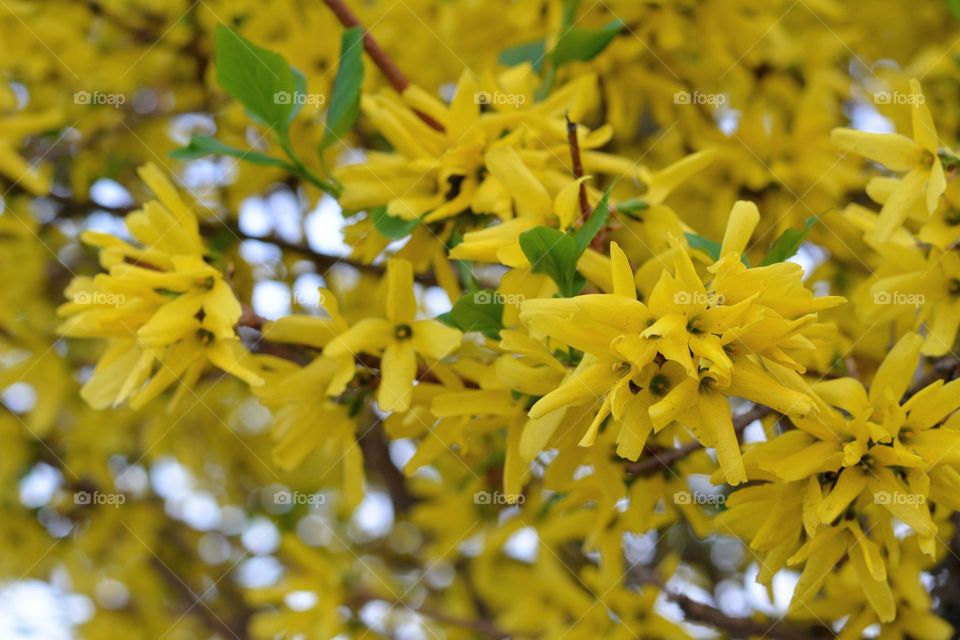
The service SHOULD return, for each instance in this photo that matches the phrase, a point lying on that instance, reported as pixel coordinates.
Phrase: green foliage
(260, 79)
(481, 311)
(391, 227)
(201, 146)
(345, 101)
(787, 245)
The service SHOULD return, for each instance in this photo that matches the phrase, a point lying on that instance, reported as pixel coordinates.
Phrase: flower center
(402, 331)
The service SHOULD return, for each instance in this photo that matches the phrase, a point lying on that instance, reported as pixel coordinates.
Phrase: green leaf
(589, 229)
(446, 319)
(392, 227)
(954, 8)
(532, 52)
(202, 146)
(260, 79)
(555, 254)
(710, 247)
(584, 44)
(787, 245)
(633, 206)
(345, 101)
(464, 271)
(479, 311)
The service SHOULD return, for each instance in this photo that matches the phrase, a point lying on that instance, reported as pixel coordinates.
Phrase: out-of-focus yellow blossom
(918, 158)
(165, 312)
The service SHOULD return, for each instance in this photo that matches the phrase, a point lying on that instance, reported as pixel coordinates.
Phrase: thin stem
(384, 62)
(656, 462)
(303, 171)
(577, 162)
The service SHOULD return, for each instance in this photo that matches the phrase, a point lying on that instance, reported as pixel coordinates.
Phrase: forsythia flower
(834, 484)
(924, 181)
(692, 345)
(398, 338)
(165, 312)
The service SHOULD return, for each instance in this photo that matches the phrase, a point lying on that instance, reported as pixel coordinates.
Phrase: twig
(377, 453)
(478, 626)
(323, 261)
(656, 462)
(734, 627)
(384, 62)
(251, 320)
(577, 161)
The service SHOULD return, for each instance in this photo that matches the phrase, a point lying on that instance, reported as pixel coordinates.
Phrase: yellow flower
(923, 181)
(398, 338)
(165, 312)
(728, 336)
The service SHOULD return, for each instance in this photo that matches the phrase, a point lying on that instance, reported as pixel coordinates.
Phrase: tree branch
(734, 627)
(658, 461)
(384, 62)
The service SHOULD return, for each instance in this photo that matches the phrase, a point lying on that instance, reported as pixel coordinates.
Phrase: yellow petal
(894, 151)
(398, 368)
(434, 339)
(401, 305)
(743, 220)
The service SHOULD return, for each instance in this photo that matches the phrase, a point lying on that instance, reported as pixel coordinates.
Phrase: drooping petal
(398, 367)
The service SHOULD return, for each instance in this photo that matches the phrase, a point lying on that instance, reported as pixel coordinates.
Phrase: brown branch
(376, 452)
(657, 461)
(478, 626)
(734, 627)
(72, 208)
(384, 62)
(577, 161)
(322, 261)
(196, 604)
(251, 320)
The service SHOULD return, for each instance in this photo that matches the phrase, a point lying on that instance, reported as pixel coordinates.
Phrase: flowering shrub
(482, 319)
